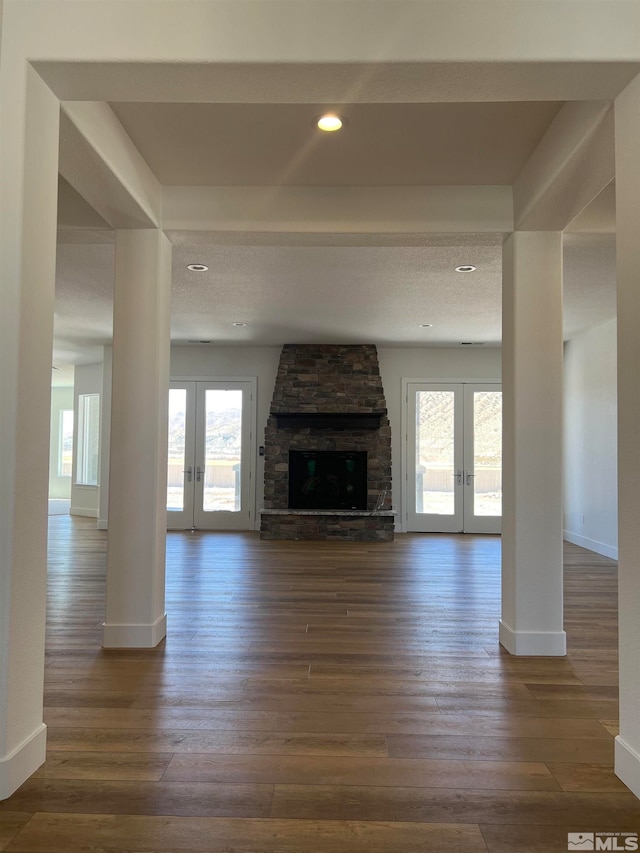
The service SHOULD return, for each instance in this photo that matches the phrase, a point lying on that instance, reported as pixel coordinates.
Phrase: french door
(209, 477)
(454, 457)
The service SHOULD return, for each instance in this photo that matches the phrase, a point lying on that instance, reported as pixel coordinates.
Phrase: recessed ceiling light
(239, 324)
(425, 325)
(330, 122)
(466, 268)
(197, 267)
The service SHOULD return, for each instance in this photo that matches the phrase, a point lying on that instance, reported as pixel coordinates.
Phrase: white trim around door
(451, 456)
(212, 454)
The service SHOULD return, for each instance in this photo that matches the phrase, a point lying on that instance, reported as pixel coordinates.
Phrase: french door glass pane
(223, 441)
(435, 480)
(176, 458)
(487, 449)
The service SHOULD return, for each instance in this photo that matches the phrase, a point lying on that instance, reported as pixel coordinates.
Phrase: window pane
(487, 450)
(88, 439)
(176, 463)
(223, 442)
(65, 449)
(435, 479)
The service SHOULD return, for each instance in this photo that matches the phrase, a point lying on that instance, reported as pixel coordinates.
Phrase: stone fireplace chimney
(328, 403)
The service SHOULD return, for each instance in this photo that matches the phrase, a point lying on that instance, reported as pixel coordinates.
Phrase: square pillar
(135, 612)
(627, 132)
(532, 597)
(29, 115)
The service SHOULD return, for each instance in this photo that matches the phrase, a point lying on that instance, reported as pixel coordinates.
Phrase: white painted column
(135, 614)
(627, 116)
(29, 115)
(532, 607)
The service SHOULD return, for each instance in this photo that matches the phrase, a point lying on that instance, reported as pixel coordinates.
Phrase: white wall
(590, 445)
(451, 364)
(85, 500)
(61, 399)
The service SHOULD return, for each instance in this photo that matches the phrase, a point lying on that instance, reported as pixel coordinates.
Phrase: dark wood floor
(322, 698)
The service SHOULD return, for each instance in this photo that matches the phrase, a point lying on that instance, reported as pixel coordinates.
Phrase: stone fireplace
(328, 447)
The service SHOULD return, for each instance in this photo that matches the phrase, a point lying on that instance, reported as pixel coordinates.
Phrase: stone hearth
(343, 382)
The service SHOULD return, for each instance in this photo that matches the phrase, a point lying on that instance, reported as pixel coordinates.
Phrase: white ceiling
(333, 287)
(382, 144)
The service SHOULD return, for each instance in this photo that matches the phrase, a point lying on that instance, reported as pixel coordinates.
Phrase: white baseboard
(85, 511)
(533, 643)
(591, 544)
(22, 762)
(135, 636)
(627, 765)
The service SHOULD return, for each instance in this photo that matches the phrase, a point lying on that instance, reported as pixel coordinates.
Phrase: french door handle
(199, 473)
(470, 476)
(458, 476)
(189, 472)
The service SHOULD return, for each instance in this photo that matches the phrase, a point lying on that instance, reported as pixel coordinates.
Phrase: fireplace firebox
(327, 479)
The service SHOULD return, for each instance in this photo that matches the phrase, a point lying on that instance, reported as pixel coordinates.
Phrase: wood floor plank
(98, 796)
(586, 776)
(192, 696)
(383, 686)
(300, 702)
(11, 822)
(66, 697)
(372, 650)
(597, 692)
(567, 750)
(452, 805)
(101, 765)
(531, 708)
(297, 770)
(162, 672)
(229, 743)
(77, 834)
(456, 671)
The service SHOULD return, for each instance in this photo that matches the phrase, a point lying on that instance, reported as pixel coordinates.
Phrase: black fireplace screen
(326, 479)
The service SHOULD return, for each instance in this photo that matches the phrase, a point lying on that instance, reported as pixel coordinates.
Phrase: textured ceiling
(337, 295)
(332, 294)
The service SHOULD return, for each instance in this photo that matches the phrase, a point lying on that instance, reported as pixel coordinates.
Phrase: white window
(88, 448)
(65, 444)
